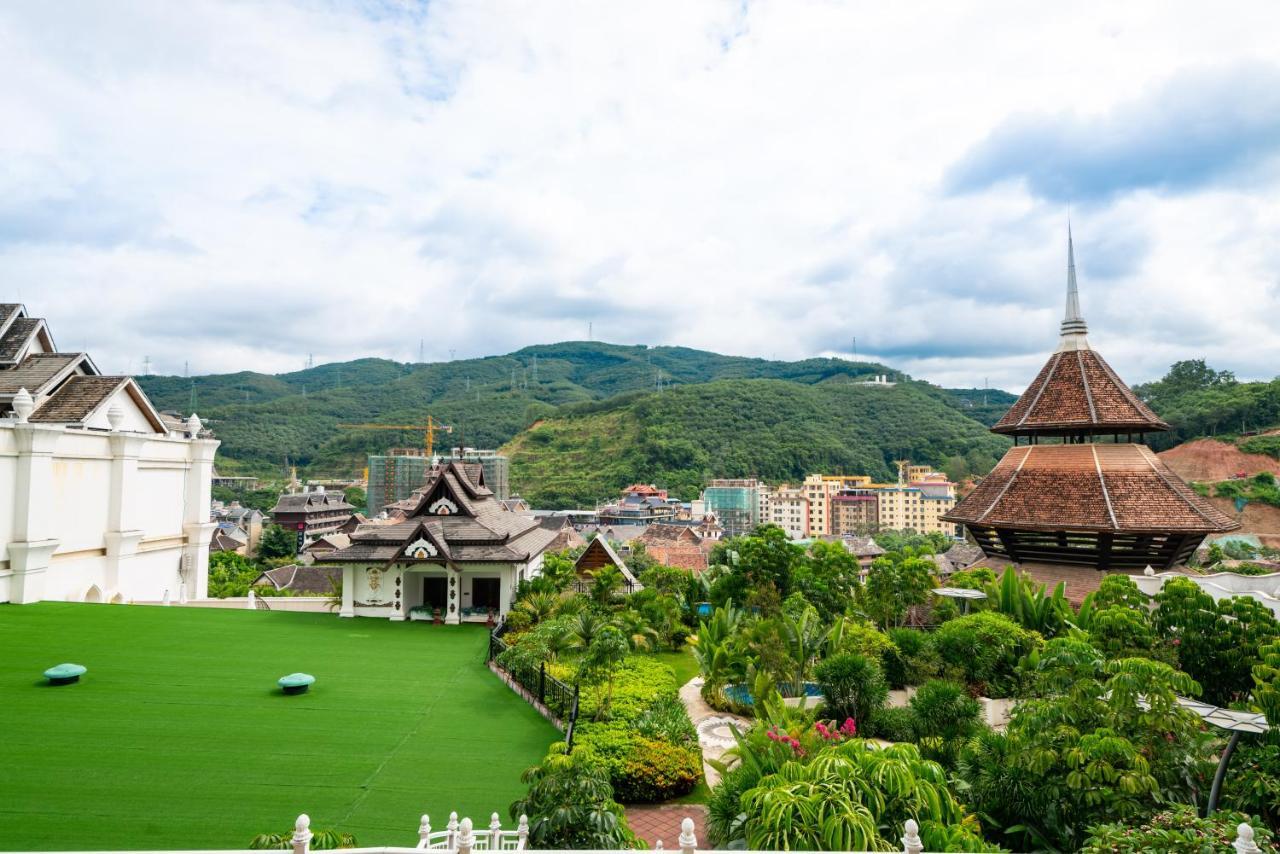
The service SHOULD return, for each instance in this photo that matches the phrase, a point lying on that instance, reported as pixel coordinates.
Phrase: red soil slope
(1210, 460)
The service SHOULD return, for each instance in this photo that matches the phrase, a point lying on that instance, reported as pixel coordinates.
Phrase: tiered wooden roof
(1107, 506)
(453, 519)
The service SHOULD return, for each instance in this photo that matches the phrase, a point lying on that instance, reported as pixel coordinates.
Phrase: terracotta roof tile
(1077, 390)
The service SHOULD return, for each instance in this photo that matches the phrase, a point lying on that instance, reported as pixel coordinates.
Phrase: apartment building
(789, 508)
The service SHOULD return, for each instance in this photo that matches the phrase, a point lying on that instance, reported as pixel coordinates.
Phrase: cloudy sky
(241, 184)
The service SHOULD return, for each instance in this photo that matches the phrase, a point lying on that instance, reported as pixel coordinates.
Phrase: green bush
(667, 719)
(944, 716)
(984, 649)
(853, 686)
(1179, 830)
(891, 723)
(914, 661)
(657, 771)
(638, 681)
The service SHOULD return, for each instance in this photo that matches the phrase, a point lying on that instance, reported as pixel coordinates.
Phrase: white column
(124, 531)
(195, 516)
(453, 611)
(348, 592)
(34, 532)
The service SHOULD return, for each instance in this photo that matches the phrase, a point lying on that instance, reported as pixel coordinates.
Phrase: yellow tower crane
(429, 429)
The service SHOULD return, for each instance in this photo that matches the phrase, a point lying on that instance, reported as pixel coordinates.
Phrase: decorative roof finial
(1073, 325)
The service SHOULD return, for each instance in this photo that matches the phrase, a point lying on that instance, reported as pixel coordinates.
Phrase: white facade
(392, 593)
(99, 516)
(101, 500)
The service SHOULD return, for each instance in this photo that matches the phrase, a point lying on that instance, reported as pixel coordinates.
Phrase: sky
(238, 186)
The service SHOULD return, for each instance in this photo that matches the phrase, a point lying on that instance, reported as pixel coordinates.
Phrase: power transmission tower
(451, 352)
(421, 357)
(591, 331)
(186, 369)
(146, 366)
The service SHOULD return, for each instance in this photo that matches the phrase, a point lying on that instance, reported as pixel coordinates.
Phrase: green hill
(263, 419)
(766, 428)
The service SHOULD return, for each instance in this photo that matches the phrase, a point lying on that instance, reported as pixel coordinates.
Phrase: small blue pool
(704, 609)
(740, 695)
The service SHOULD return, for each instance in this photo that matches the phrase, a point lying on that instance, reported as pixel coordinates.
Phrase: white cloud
(240, 185)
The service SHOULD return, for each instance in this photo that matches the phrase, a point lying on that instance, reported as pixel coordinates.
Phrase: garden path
(662, 822)
(714, 735)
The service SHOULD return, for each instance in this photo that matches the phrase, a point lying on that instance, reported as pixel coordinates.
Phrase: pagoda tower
(1080, 491)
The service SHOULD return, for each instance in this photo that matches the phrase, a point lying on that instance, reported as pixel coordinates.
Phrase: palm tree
(805, 639)
(637, 630)
(539, 606)
(583, 628)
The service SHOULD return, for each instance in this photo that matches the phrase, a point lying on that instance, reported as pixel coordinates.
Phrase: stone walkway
(714, 735)
(662, 822)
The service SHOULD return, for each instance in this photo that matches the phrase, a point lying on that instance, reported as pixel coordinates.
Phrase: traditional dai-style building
(458, 551)
(101, 498)
(1080, 487)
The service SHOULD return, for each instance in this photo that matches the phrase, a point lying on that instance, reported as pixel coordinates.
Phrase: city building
(640, 504)
(311, 514)
(855, 511)
(247, 520)
(674, 545)
(458, 551)
(1081, 492)
(918, 507)
(735, 503)
(394, 477)
(819, 490)
(788, 508)
(101, 498)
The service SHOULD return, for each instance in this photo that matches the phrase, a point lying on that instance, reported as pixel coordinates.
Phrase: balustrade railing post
(1244, 843)
(495, 832)
(522, 833)
(424, 831)
(302, 835)
(688, 839)
(466, 839)
(911, 843)
(451, 841)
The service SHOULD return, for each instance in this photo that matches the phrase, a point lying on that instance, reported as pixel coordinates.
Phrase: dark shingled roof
(77, 399)
(36, 371)
(1077, 391)
(18, 334)
(1087, 487)
(482, 529)
(306, 580)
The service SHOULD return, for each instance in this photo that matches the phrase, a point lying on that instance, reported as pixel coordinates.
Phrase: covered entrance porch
(449, 596)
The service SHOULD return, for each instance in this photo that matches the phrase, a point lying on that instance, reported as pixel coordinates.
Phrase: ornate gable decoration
(421, 549)
(442, 507)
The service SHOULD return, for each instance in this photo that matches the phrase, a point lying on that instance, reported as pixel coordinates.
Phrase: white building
(101, 499)
(456, 550)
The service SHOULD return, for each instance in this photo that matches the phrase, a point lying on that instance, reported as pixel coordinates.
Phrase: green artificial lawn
(682, 662)
(178, 736)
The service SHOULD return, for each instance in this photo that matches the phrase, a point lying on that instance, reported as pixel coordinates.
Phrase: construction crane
(429, 429)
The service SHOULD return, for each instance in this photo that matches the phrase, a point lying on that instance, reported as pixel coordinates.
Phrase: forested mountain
(1198, 401)
(770, 429)
(264, 419)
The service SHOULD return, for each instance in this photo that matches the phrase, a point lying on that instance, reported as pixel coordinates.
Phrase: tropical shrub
(944, 716)
(666, 718)
(570, 805)
(1121, 632)
(912, 660)
(849, 634)
(896, 583)
(1020, 598)
(1179, 830)
(853, 686)
(891, 723)
(321, 840)
(1253, 783)
(855, 796)
(656, 771)
(983, 650)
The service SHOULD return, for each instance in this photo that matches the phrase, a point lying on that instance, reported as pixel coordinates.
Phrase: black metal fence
(556, 696)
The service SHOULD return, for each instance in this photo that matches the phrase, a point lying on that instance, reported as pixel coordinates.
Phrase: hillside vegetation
(740, 428)
(1198, 401)
(264, 419)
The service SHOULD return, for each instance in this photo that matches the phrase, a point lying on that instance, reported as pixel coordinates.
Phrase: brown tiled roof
(1086, 487)
(1077, 391)
(19, 332)
(36, 371)
(307, 580)
(76, 399)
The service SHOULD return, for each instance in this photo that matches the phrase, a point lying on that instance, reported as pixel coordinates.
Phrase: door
(485, 593)
(435, 592)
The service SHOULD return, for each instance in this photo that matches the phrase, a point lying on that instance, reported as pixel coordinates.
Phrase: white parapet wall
(103, 515)
(1222, 585)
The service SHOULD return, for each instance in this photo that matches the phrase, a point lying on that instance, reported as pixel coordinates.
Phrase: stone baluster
(424, 832)
(451, 842)
(688, 841)
(466, 839)
(495, 832)
(522, 833)
(302, 835)
(911, 843)
(1244, 843)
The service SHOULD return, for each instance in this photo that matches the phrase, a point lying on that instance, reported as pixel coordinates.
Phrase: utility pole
(421, 344)
(186, 369)
(590, 331)
(451, 352)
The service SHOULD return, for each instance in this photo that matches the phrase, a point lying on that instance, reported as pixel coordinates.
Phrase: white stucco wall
(122, 512)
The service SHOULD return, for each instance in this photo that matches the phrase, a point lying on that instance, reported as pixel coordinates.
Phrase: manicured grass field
(682, 662)
(179, 738)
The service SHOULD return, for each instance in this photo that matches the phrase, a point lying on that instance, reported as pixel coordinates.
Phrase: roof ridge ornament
(1074, 328)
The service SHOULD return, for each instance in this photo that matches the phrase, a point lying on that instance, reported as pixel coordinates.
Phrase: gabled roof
(77, 399)
(16, 339)
(40, 372)
(312, 580)
(598, 553)
(310, 502)
(1086, 487)
(9, 313)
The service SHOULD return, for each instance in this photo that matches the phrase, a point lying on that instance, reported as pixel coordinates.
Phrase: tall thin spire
(1073, 325)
